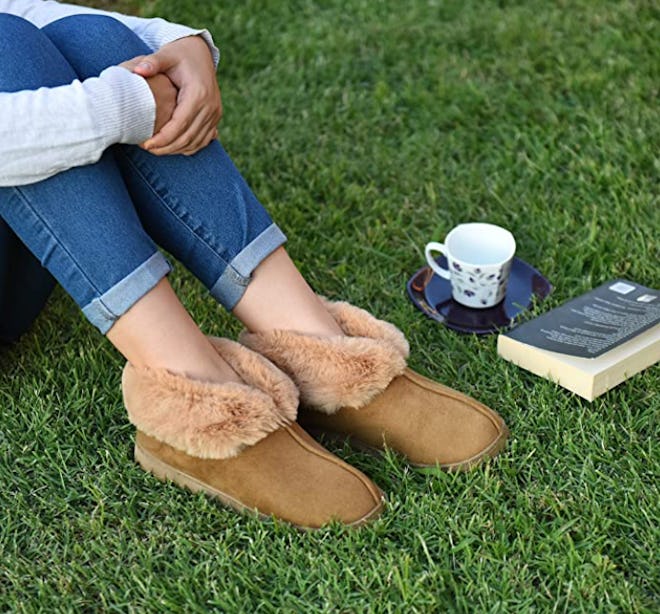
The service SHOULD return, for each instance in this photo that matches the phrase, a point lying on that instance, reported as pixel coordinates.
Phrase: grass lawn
(368, 128)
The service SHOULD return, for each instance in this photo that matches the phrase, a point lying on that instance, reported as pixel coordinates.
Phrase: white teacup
(479, 256)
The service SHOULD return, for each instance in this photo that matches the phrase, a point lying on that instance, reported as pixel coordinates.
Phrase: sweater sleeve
(52, 129)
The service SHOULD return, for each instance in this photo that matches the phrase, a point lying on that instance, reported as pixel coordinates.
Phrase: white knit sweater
(46, 131)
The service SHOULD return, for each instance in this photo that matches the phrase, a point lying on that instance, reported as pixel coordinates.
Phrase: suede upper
(286, 474)
(430, 424)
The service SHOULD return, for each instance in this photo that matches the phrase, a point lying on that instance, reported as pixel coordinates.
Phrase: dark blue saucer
(432, 295)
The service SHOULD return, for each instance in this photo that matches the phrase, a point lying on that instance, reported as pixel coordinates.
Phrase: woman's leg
(83, 227)
(237, 442)
(199, 208)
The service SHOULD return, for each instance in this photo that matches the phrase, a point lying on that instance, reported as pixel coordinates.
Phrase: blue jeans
(97, 228)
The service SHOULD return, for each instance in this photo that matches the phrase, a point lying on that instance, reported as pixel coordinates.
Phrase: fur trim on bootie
(206, 419)
(335, 372)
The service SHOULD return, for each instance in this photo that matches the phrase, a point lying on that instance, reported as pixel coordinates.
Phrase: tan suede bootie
(240, 443)
(358, 386)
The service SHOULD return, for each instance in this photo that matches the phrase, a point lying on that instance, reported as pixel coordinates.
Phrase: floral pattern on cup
(480, 286)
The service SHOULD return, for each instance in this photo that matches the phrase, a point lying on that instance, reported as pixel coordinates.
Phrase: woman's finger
(197, 128)
(184, 142)
(184, 114)
(202, 142)
(132, 63)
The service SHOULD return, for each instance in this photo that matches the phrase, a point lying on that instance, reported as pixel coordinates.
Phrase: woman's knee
(29, 58)
(15, 29)
(91, 43)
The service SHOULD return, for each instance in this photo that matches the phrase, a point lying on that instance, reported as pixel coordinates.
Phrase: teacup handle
(436, 247)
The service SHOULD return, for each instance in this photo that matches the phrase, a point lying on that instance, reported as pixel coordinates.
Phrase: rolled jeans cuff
(234, 280)
(103, 311)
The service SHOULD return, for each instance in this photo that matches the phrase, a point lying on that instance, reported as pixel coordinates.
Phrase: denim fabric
(96, 228)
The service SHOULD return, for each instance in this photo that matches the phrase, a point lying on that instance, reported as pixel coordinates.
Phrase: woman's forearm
(49, 130)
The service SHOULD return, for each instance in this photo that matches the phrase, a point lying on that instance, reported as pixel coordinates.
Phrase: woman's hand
(188, 64)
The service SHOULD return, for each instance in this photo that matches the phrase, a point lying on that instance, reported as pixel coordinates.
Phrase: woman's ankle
(158, 332)
(278, 297)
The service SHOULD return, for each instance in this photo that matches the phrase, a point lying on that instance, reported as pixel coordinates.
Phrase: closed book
(593, 342)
